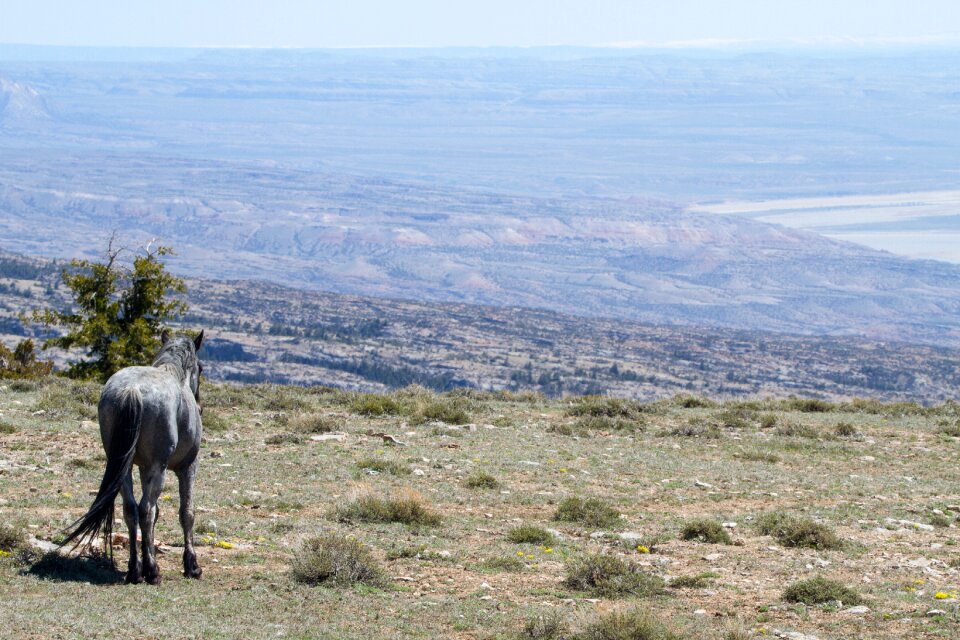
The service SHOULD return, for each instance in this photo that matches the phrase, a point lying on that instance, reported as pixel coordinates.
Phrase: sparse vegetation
(697, 428)
(313, 423)
(335, 559)
(819, 590)
(610, 576)
(375, 404)
(7, 427)
(708, 531)
(606, 423)
(604, 406)
(284, 438)
(549, 625)
(845, 430)
(592, 512)
(798, 430)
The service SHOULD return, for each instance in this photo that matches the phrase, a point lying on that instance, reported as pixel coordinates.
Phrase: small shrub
(758, 455)
(7, 427)
(610, 576)
(68, 398)
(336, 559)
(313, 423)
(692, 402)
(24, 386)
(284, 438)
(569, 430)
(707, 531)
(592, 512)
(605, 406)
(407, 507)
(737, 418)
(768, 421)
(796, 430)
(481, 480)
(381, 465)
(798, 532)
(12, 539)
(951, 430)
(375, 404)
(697, 428)
(819, 590)
(628, 625)
(550, 625)
(447, 410)
(606, 423)
(83, 463)
(529, 534)
(503, 563)
(845, 430)
(939, 520)
(213, 421)
(699, 581)
(810, 405)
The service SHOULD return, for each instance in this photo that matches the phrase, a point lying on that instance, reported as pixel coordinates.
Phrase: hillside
(263, 332)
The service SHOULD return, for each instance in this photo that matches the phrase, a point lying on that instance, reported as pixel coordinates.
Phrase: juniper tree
(118, 311)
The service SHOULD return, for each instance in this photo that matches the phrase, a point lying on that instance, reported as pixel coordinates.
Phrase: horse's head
(182, 352)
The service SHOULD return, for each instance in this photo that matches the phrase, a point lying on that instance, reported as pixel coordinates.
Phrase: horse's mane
(177, 356)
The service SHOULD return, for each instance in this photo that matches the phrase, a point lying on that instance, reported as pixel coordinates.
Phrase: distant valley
(558, 180)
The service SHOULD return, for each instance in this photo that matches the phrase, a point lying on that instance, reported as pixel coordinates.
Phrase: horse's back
(163, 434)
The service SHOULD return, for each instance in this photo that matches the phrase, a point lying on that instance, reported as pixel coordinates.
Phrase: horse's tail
(123, 446)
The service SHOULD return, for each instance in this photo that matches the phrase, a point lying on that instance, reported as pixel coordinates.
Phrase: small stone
(729, 525)
(419, 472)
(702, 485)
(712, 557)
(631, 536)
(700, 612)
(936, 612)
(216, 454)
(443, 553)
(41, 412)
(486, 597)
(327, 437)
(485, 585)
(88, 424)
(867, 458)
(859, 610)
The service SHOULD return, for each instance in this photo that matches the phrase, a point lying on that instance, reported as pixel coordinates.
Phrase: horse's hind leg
(190, 567)
(134, 568)
(151, 479)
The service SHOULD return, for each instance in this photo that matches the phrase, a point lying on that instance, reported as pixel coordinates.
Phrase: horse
(149, 417)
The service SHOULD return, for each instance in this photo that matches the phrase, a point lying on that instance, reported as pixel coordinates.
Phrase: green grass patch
(7, 427)
(375, 404)
(284, 438)
(604, 406)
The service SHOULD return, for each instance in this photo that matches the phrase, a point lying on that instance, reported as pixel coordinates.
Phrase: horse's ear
(165, 336)
(198, 341)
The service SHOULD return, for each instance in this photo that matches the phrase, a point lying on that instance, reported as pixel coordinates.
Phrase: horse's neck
(172, 369)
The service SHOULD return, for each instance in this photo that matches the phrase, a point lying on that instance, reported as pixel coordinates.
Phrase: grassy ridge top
(619, 504)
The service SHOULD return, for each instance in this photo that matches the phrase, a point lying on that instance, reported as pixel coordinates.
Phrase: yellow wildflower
(943, 595)
(4, 554)
(223, 544)
(531, 556)
(548, 550)
(643, 549)
(563, 469)
(520, 554)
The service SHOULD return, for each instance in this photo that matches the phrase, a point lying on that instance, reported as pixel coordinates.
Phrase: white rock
(703, 485)
(700, 612)
(712, 557)
(936, 612)
(631, 536)
(729, 525)
(419, 472)
(325, 437)
(857, 610)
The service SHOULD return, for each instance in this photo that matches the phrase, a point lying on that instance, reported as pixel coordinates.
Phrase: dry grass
(592, 512)
(404, 506)
(610, 576)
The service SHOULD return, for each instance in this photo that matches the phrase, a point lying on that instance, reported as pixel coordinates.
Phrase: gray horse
(149, 417)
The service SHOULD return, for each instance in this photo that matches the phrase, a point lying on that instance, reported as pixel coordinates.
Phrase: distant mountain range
(498, 180)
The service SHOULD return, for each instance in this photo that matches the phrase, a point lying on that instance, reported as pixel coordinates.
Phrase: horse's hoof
(132, 578)
(194, 573)
(154, 579)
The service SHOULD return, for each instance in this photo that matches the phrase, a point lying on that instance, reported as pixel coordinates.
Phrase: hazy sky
(350, 23)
